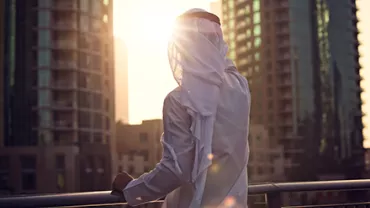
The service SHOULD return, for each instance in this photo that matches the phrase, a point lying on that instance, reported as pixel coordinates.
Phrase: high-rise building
(121, 76)
(301, 60)
(2, 43)
(59, 79)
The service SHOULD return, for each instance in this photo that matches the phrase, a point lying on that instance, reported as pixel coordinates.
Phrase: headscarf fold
(197, 57)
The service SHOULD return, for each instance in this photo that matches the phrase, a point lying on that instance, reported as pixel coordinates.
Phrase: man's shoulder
(173, 96)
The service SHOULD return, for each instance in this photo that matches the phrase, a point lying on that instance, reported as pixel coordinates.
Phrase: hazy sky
(364, 37)
(144, 25)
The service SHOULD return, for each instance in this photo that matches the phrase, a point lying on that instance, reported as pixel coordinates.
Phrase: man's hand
(120, 182)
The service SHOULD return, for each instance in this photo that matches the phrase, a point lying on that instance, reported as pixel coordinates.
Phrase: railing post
(273, 200)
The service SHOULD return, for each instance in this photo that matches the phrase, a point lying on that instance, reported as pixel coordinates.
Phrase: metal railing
(272, 194)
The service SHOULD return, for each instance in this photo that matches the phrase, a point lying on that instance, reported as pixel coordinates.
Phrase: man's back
(227, 177)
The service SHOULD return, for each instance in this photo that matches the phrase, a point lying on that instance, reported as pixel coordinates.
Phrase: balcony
(282, 31)
(64, 5)
(65, 25)
(63, 104)
(64, 84)
(64, 64)
(65, 44)
(273, 196)
(63, 124)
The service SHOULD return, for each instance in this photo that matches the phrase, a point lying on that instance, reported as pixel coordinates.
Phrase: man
(206, 121)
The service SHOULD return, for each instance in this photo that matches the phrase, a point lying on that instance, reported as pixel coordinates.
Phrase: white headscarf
(197, 56)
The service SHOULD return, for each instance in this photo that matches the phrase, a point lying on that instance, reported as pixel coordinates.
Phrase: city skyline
(157, 58)
(64, 90)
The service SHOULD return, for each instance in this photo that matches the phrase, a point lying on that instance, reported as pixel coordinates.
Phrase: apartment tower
(60, 75)
(301, 60)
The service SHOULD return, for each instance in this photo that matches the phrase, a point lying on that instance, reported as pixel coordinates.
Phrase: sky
(364, 37)
(145, 26)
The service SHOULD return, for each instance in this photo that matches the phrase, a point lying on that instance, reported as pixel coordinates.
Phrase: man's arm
(175, 167)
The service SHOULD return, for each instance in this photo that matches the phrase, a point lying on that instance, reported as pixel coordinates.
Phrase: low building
(138, 146)
(266, 163)
(54, 169)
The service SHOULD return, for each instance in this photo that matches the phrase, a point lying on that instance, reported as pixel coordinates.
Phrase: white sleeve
(176, 164)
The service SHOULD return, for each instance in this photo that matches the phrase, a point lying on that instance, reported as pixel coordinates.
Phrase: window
(257, 30)
(84, 5)
(45, 136)
(61, 181)
(98, 138)
(130, 169)
(249, 33)
(28, 175)
(45, 118)
(256, 56)
(60, 162)
(145, 154)
(4, 172)
(106, 105)
(248, 21)
(96, 7)
(247, 9)
(257, 42)
(98, 121)
(84, 137)
(97, 99)
(249, 45)
(84, 100)
(231, 4)
(84, 119)
(95, 25)
(43, 58)
(260, 171)
(44, 18)
(232, 44)
(143, 137)
(105, 18)
(44, 3)
(256, 5)
(270, 105)
(43, 78)
(256, 18)
(83, 80)
(84, 23)
(107, 123)
(44, 38)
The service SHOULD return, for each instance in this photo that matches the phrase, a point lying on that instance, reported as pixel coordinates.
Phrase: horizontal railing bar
(331, 205)
(105, 198)
(310, 186)
(62, 200)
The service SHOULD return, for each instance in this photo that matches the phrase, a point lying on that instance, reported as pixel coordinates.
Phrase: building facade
(59, 78)
(304, 79)
(138, 146)
(266, 162)
(2, 90)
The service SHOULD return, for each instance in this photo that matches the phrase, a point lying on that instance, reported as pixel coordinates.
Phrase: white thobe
(226, 181)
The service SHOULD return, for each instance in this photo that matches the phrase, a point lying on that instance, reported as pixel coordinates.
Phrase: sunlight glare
(149, 26)
(145, 27)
